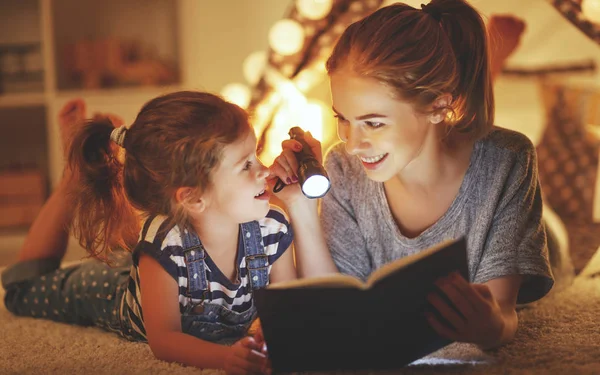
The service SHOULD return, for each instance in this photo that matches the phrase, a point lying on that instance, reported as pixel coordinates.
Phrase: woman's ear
(188, 197)
(440, 108)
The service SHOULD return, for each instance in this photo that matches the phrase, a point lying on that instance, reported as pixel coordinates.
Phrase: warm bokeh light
(314, 9)
(237, 93)
(286, 37)
(591, 10)
(310, 116)
(312, 119)
(254, 66)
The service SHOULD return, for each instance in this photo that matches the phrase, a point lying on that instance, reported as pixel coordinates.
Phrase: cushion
(568, 154)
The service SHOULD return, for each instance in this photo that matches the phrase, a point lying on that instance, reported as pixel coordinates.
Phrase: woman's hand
(246, 357)
(477, 317)
(285, 167)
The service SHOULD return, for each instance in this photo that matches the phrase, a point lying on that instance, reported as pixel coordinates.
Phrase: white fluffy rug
(558, 335)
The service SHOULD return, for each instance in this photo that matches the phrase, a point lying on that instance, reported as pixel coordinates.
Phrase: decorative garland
(289, 77)
(571, 10)
(582, 67)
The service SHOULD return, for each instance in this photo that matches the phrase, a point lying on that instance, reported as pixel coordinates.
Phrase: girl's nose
(263, 171)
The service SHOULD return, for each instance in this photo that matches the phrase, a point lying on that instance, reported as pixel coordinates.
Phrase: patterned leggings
(88, 293)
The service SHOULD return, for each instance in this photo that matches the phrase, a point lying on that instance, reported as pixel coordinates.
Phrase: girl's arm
(162, 320)
(283, 269)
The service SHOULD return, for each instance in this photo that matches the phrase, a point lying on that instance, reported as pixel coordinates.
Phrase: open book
(338, 322)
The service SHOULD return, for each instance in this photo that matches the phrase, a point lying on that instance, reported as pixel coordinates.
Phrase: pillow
(568, 154)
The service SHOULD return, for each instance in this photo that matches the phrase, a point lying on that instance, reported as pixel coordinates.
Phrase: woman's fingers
(312, 142)
(441, 329)
(469, 291)
(315, 146)
(470, 301)
(291, 144)
(285, 167)
(454, 318)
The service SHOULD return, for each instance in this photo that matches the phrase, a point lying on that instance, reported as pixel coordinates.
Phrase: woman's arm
(162, 320)
(483, 314)
(505, 290)
(312, 255)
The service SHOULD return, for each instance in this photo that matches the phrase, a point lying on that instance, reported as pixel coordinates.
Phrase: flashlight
(312, 177)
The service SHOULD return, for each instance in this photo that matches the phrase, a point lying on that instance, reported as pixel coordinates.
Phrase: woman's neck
(439, 160)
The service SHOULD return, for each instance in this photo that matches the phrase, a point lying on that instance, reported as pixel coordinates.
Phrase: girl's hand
(259, 337)
(245, 357)
(285, 167)
(477, 317)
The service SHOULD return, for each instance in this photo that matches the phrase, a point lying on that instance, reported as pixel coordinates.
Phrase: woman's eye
(247, 165)
(339, 119)
(374, 124)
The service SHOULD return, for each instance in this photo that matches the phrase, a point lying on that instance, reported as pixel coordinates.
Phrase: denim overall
(210, 321)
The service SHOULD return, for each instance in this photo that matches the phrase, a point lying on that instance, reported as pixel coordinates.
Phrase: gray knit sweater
(498, 209)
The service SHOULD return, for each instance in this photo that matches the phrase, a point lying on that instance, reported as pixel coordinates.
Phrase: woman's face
(385, 133)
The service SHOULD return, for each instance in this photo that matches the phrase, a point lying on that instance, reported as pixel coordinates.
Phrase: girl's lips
(266, 195)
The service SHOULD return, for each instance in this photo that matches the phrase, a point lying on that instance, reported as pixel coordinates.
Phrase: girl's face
(238, 189)
(385, 133)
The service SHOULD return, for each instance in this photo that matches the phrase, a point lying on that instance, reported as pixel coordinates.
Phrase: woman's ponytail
(474, 95)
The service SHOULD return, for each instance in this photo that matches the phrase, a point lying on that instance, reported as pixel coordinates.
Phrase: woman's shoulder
(506, 140)
(506, 149)
(504, 158)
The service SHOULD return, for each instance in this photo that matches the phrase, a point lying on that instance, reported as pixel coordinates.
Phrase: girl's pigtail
(103, 219)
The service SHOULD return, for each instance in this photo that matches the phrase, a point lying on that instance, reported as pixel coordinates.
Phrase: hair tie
(433, 11)
(118, 135)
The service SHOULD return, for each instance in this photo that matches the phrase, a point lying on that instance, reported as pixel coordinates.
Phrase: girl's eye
(247, 165)
(374, 124)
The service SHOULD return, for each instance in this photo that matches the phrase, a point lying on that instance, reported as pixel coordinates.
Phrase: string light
(314, 9)
(286, 37)
(299, 45)
(254, 66)
(591, 10)
(237, 93)
(312, 119)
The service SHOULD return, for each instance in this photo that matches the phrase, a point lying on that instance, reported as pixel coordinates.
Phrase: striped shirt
(165, 245)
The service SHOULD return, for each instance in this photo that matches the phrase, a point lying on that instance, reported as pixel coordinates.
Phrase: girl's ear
(189, 199)
(440, 108)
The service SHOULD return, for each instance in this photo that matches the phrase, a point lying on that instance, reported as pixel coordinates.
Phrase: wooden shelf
(22, 99)
(121, 92)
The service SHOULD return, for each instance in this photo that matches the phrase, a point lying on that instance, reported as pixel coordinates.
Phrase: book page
(336, 280)
(391, 267)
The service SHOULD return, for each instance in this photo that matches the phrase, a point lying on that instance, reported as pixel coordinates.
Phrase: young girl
(421, 162)
(209, 236)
